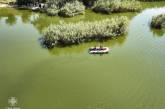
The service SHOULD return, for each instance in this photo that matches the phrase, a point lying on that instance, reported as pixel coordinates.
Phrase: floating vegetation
(75, 33)
(112, 6)
(158, 21)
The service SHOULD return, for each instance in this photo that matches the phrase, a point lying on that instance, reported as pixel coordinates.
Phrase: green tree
(25, 2)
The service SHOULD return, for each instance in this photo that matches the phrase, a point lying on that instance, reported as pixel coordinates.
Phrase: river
(131, 76)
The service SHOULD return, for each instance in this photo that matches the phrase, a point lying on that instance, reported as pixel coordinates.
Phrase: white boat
(35, 8)
(99, 50)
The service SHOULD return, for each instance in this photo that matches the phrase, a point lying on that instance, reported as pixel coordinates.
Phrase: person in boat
(94, 48)
(101, 47)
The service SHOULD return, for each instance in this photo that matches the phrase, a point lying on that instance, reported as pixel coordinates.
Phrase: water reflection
(83, 48)
(158, 33)
(11, 19)
(42, 21)
(26, 16)
(11, 15)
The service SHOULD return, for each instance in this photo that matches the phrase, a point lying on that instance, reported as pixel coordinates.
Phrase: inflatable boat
(98, 50)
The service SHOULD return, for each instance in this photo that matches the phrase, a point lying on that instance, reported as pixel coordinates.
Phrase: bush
(53, 10)
(151, 0)
(59, 3)
(71, 9)
(158, 21)
(26, 2)
(110, 6)
(68, 34)
(88, 3)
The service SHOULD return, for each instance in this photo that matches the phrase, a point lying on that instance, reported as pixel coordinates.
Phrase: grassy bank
(158, 21)
(75, 33)
(7, 1)
(112, 6)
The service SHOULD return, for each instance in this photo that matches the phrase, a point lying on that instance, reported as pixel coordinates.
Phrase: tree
(25, 2)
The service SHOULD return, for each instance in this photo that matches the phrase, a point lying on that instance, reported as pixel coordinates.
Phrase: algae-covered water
(131, 76)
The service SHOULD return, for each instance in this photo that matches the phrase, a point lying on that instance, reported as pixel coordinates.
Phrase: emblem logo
(12, 101)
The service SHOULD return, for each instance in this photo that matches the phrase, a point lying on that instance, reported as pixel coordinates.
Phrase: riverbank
(4, 5)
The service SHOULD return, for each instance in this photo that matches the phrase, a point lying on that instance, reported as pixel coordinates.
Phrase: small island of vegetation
(75, 33)
(158, 21)
(112, 6)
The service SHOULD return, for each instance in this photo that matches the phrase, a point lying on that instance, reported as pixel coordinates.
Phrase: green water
(131, 76)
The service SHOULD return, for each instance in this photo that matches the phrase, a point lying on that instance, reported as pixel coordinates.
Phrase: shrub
(59, 3)
(158, 21)
(110, 6)
(151, 0)
(75, 33)
(88, 3)
(53, 10)
(71, 9)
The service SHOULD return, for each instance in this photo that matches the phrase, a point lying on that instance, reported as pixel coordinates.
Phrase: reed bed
(151, 0)
(53, 10)
(113, 6)
(76, 33)
(70, 9)
(158, 21)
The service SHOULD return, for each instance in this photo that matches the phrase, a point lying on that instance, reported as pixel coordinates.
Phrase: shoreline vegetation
(4, 5)
(75, 7)
(76, 33)
(70, 8)
(114, 6)
(158, 22)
